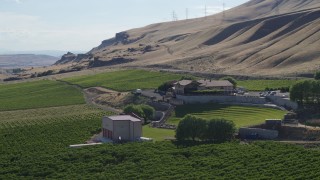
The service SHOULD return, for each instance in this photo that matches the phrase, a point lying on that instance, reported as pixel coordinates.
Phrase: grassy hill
(38, 94)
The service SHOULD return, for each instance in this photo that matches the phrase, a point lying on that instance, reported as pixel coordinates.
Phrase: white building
(122, 127)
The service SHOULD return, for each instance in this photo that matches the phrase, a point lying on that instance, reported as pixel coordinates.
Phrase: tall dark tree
(191, 127)
(306, 92)
(220, 130)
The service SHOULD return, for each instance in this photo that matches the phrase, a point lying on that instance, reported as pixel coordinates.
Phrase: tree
(317, 75)
(306, 92)
(220, 130)
(191, 127)
(296, 93)
(166, 86)
(148, 111)
(143, 111)
(134, 109)
(231, 80)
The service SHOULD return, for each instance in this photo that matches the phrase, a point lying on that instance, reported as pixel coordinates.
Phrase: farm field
(35, 143)
(261, 85)
(38, 94)
(125, 80)
(240, 115)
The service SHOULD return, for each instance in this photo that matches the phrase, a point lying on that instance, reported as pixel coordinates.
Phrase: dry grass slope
(259, 37)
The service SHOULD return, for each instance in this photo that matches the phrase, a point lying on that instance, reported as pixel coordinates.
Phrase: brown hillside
(258, 37)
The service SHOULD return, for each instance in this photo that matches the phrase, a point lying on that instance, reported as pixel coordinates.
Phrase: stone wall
(222, 99)
(261, 133)
(283, 102)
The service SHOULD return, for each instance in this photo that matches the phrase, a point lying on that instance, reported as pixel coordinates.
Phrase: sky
(80, 25)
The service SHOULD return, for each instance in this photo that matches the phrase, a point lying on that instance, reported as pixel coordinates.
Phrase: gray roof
(124, 118)
(211, 83)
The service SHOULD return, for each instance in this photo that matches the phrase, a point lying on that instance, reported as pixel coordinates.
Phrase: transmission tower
(174, 16)
(223, 12)
(205, 11)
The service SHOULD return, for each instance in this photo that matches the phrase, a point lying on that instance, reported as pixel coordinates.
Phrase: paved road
(150, 93)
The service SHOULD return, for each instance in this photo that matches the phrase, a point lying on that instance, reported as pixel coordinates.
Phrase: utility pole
(223, 12)
(205, 11)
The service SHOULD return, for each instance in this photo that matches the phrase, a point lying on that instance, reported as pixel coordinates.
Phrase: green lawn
(156, 133)
(261, 85)
(125, 80)
(240, 115)
(38, 94)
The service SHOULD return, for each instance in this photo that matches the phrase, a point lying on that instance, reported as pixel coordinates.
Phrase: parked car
(137, 91)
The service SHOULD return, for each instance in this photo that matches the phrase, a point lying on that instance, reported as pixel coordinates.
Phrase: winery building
(121, 128)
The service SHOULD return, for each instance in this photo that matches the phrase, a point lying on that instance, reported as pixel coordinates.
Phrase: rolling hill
(265, 37)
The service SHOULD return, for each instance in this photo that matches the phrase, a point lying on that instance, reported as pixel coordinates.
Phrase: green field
(38, 94)
(261, 85)
(240, 115)
(125, 80)
(157, 134)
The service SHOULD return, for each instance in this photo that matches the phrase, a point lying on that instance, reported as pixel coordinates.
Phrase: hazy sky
(82, 24)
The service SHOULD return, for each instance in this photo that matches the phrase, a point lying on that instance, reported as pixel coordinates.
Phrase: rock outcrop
(66, 58)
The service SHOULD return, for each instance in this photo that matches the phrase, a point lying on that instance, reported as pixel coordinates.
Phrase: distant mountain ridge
(258, 37)
(26, 60)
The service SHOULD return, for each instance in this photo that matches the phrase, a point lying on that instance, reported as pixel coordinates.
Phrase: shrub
(317, 75)
(166, 86)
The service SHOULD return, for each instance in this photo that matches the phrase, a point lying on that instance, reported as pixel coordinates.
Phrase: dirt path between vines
(90, 96)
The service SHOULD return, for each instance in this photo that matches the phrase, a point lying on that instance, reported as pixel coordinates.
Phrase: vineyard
(125, 80)
(240, 115)
(20, 118)
(261, 85)
(38, 94)
(35, 143)
(41, 151)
